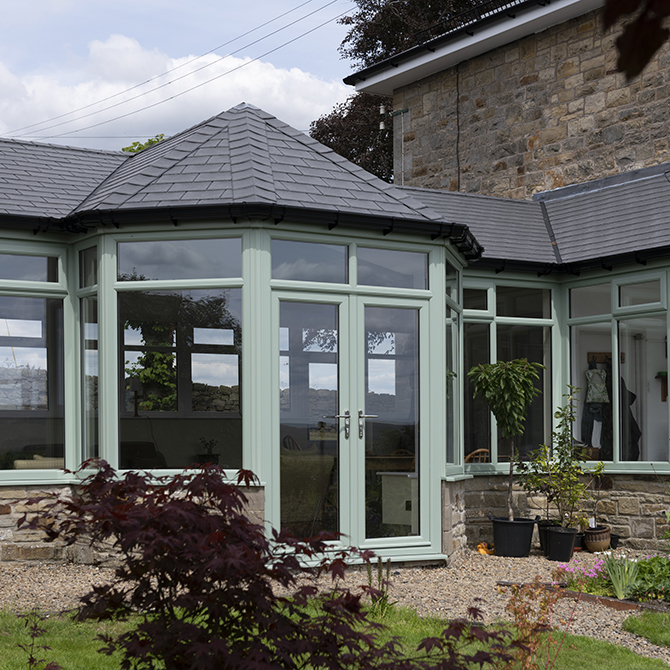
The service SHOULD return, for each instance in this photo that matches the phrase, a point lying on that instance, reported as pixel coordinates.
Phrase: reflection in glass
(590, 300)
(31, 383)
(643, 419)
(89, 336)
(180, 392)
(641, 293)
(28, 268)
(474, 298)
(180, 259)
(385, 267)
(88, 267)
(534, 344)
(309, 261)
(309, 431)
(477, 418)
(531, 303)
(392, 426)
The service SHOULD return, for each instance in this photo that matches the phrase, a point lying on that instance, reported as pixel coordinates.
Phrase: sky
(101, 74)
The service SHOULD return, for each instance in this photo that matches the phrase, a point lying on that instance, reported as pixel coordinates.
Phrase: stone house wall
(454, 536)
(545, 111)
(31, 545)
(633, 506)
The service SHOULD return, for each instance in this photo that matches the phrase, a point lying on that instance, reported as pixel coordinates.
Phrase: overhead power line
(40, 127)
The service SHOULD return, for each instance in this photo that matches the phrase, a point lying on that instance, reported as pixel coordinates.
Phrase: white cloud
(116, 64)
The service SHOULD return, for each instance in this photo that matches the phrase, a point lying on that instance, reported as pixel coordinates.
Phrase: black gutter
(455, 27)
(459, 234)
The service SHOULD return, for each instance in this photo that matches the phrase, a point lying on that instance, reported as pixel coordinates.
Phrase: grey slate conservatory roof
(245, 163)
(240, 163)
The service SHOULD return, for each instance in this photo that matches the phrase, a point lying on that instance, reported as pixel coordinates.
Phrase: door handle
(361, 423)
(347, 421)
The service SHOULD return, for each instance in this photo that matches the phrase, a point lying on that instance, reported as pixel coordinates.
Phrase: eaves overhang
(468, 41)
(459, 234)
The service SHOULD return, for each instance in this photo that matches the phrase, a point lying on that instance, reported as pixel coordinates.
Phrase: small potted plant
(508, 388)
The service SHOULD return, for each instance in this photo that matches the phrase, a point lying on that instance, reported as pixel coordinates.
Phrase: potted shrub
(560, 473)
(508, 388)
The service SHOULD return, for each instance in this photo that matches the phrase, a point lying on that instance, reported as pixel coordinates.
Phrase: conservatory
(239, 294)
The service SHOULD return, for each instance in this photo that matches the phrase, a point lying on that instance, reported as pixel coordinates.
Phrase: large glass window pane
(31, 383)
(591, 360)
(308, 261)
(309, 430)
(392, 424)
(531, 303)
(641, 293)
(477, 428)
(180, 259)
(89, 336)
(643, 365)
(384, 267)
(590, 300)
(28, 268)
(180, 354)
(534, 344)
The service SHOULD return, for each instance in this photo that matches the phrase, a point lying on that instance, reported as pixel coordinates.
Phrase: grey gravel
(444, 592)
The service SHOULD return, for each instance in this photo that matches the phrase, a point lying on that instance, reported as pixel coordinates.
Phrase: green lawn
(654, 626)
(74, 645)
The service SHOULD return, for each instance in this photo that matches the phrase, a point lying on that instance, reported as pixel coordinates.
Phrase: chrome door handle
(347, 421)
(361, 423)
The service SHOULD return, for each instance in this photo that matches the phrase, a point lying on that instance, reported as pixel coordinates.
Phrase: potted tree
(561, 474)
(508, 388)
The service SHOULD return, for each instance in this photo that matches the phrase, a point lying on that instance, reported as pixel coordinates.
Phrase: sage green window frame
(432, 342)
(108, 289)
(489, 317)
(23, 245)
(625, 277)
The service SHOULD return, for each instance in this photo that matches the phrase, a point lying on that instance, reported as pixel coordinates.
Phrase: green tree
(136, 147)
(378, 29)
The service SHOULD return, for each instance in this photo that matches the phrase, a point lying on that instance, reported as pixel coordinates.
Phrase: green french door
(349, 429)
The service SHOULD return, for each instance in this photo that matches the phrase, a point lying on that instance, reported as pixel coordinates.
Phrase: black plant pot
(542, 530)
(614, 540)
(512, 538)
(561, 543)
(208, 458)
(579, 541)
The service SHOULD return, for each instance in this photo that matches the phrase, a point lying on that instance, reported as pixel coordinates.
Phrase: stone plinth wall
(633, 506)
(454, 537)
(545, 111)
(31, 545)
(207, 398)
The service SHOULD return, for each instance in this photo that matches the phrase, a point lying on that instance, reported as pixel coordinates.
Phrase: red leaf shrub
(203, 581)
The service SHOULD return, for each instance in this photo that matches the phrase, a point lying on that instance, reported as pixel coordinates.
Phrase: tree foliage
(352, 130)
(378, 29)
(643, 33)
(136, 147)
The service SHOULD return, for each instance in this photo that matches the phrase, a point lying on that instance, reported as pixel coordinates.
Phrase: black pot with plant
(508, 388)
(209, 456)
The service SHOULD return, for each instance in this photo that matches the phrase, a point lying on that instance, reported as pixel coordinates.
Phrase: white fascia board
(464, 47)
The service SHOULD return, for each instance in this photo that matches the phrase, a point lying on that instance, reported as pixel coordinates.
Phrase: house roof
(511, 231)
(487, 26)
(49, 181)
(240, 163)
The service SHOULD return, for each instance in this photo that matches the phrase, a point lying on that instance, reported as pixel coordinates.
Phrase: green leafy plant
(558, 471)
(623, 575)
(653, 579)
(381, 601)
(508, 388)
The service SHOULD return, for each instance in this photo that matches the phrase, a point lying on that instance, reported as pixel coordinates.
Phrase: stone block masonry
(633, 506)
(545, 111)
(32, 545)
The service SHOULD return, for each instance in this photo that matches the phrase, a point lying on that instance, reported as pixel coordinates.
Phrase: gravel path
(443, 592)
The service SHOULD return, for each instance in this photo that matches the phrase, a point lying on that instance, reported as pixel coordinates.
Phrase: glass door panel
(309, 427)
(390, 422)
